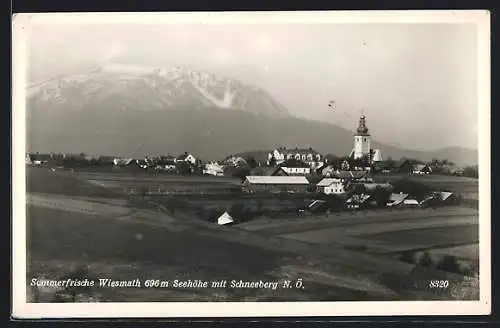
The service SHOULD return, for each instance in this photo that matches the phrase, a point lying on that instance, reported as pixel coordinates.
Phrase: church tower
(362, 140)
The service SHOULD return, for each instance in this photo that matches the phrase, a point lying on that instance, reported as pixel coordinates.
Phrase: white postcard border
(22, 309)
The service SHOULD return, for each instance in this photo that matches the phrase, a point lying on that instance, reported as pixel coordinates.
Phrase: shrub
(425, 260)
(449, 263)
(411, 187)
(408, 257)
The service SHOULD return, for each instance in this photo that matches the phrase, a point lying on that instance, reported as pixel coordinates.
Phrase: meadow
(88, 218)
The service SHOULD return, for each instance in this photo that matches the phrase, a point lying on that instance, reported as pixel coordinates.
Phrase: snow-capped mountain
(129, 87)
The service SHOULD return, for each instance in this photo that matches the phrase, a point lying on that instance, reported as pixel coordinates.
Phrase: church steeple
(362, 129)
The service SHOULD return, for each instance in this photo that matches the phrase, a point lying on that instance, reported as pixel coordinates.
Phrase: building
(225, 219)
(411, 203)
(362, 144)
(351, 176)
(122, 162)
(236, 161)
(309, 156)
(357, 201)
(421, 169)
(186, 158)
(213, 168)
(285, 184)
(396, 199)
(37, 159)
(330, 186)
(293, 167)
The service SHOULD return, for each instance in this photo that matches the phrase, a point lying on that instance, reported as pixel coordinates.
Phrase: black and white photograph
(251, 164)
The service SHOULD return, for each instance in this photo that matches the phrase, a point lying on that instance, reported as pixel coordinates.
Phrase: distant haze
(417, 83)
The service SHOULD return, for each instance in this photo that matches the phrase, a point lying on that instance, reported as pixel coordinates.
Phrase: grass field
(462, 185)
(72, 221)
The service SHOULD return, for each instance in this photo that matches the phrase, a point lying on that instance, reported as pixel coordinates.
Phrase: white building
(309, 156)
(330, 186)
(213, 169)
(186, 158)
(362, 144)
(225, 219)
(421, 169)
(296, 170)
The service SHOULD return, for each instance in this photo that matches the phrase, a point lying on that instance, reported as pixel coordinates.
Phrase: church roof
(297, 151)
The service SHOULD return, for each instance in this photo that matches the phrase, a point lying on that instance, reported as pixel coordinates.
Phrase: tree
(413, 188)
(259, 171)
(272, 161)
(408, 257)
(471, 171)
(426, 260)
(241, 172)
(252, 163)
(381, 195)
(449, 263)
(333, 160)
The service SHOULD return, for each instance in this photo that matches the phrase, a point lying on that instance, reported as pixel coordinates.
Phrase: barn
(275, 184)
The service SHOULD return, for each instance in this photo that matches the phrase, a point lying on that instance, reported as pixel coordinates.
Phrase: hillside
(210, 133)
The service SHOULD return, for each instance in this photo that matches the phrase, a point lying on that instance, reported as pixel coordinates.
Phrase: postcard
(251, 164)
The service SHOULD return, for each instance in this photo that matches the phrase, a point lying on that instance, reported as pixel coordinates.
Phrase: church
(362, 145)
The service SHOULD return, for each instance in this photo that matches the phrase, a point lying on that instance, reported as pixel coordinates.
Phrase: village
(326, 183)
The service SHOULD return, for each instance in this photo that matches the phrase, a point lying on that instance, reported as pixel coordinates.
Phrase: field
(469, 187)
(88, 218)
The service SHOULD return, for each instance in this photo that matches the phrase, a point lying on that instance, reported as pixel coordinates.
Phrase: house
(314, 206)
(351, 176)
(236, 161)
(122, 162)
(411, 203)
(37, 159)
(186, 158)
(357, 201)
(446, 197)
(396, 199)
(225, 219)
(213, 168)
(309, 156)
(292, 167)
(421, 169)
(329, 186)
(285, 184)
(165, 160)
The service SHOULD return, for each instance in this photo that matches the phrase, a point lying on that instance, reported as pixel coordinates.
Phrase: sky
(416, 83)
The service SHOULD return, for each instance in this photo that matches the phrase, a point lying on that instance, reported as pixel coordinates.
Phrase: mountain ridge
(134, 111)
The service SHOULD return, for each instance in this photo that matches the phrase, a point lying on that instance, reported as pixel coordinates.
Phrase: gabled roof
(445, 195)
(183, 156)
(420, 167)
(301, 151)
(123, 161)
(225, 218)
(349, 174)
(377, 155)
(293, 163)
(327, 182)
(396, 199)
(297, 180)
